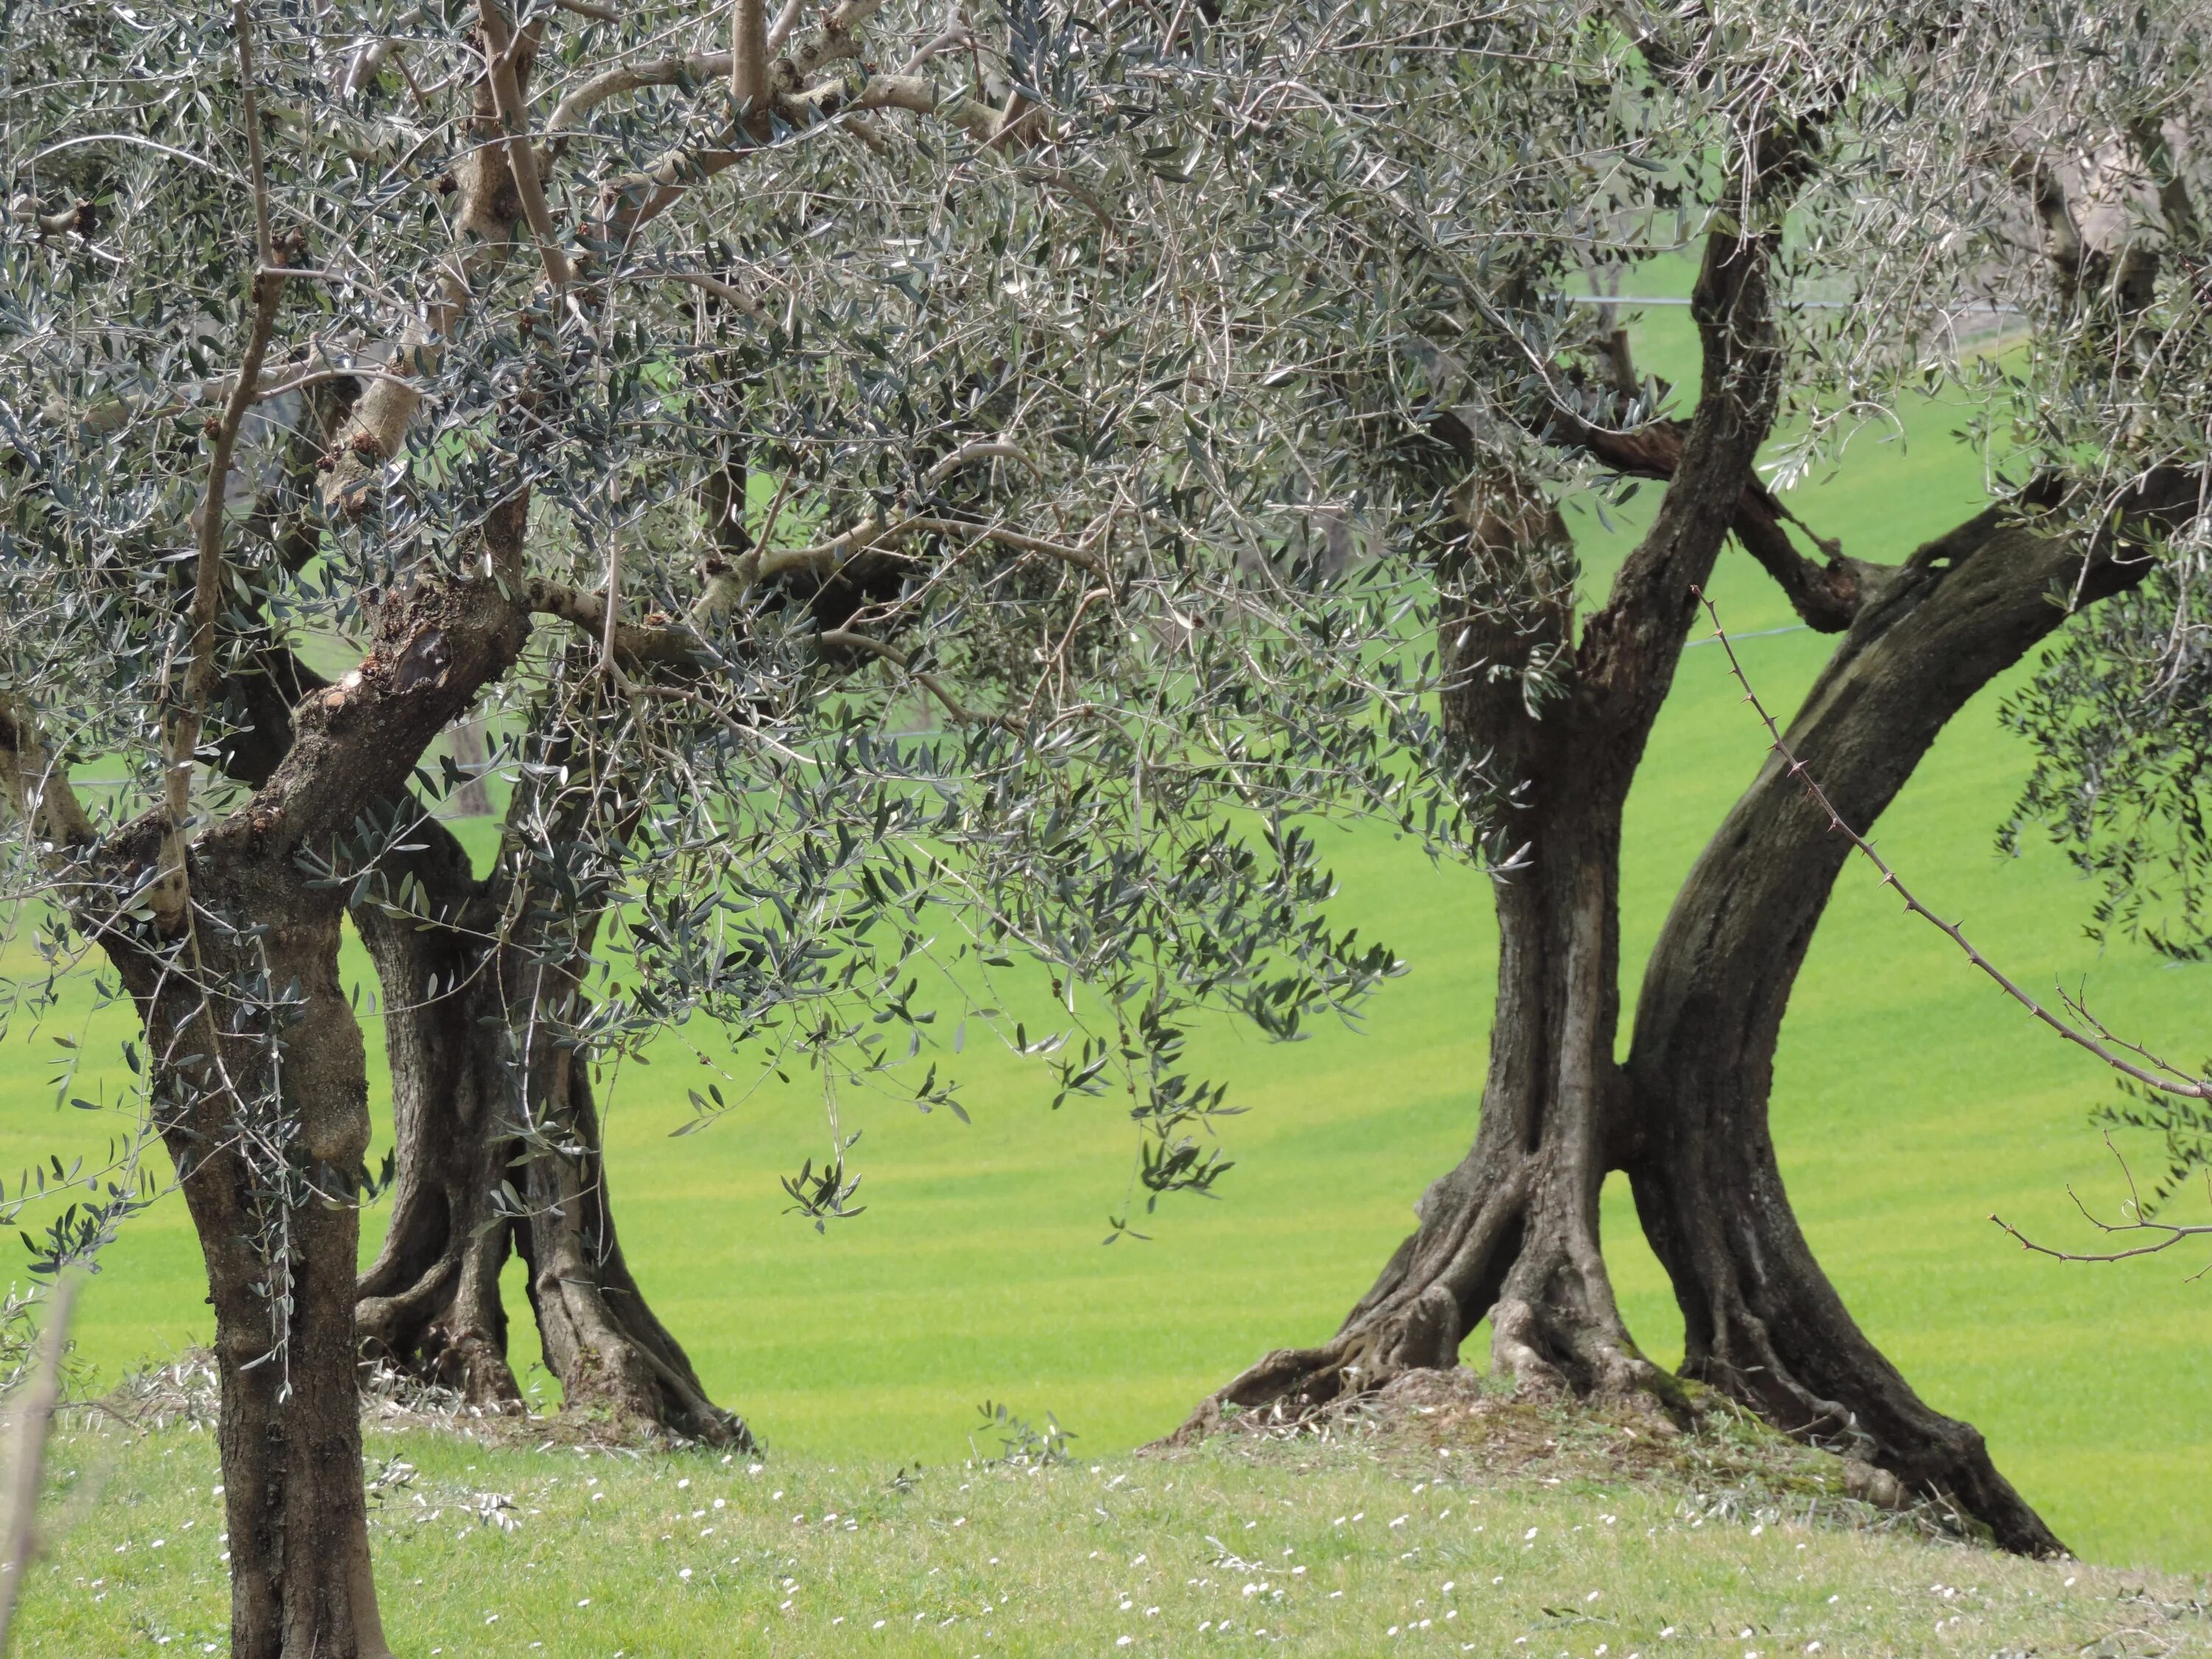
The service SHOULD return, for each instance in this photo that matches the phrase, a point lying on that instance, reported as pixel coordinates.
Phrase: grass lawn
(1910, 1102)
(1304, 1550)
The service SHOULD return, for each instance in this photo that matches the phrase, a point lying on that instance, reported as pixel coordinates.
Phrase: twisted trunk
(1512, 1233)
(472, 1122)
(601, 1337)
(430, 1303)
(1762, 1322)
(1549, 731)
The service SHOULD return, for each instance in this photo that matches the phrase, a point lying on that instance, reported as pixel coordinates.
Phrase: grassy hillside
(1910, 1102)
(1328, 1550)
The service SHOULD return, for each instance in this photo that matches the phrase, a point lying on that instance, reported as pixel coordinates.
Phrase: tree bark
(430, 1303)
(471, 1121)
(289, 1430)
(1549, 731)
(1762, 1322)
(600, 1336)
(261, 1096)
(1511, 1234)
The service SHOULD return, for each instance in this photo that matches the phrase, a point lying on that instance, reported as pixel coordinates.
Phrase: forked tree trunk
(460, 999)
(1761, 1321)
(1511, 1234)
(1555, 725)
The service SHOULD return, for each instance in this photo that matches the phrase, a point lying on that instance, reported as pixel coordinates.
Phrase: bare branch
(752, 304)
(786, 21)
(264, 240)
(36, 785)
(499, 44)
(874, 533)
(692, 69)
(2167, 1234)
(749, 64)
(649, 645)
(968, 454)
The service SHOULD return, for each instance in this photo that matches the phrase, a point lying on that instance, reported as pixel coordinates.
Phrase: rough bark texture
(600, 1336)
(430, 1303)
(1762, 1322)
(1512, 1233)
(459, 1000)
(293, 1496)
(262, 1098)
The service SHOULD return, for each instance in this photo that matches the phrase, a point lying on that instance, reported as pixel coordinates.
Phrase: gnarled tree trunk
(472, 1121)
(430, 1302)
(1558, 726)
(1761, 1321)
(600, 1336)
(288, 1429)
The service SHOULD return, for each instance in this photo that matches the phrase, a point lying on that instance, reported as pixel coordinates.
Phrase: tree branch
(38, 786)
(845, 639)
(499, 43)
(786, 21)
(874, 533)
(748, 65)
(2168, 1233)
(1826, 595)
(646, 646)
(2164, 1079)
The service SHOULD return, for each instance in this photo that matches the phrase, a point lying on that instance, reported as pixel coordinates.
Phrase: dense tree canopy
(917, 492)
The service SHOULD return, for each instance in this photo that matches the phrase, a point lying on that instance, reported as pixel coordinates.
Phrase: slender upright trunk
(1762, 1322)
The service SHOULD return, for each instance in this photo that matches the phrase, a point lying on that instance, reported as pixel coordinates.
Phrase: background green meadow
(1910, 1102)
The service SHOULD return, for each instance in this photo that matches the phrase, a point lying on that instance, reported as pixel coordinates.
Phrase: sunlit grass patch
(1343, 1547)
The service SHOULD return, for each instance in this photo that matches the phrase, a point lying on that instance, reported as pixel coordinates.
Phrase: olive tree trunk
(1762, 1322)
(1556, 726)
(496, 1151)
(430, 1303)
(288, 1429)
(229, 947)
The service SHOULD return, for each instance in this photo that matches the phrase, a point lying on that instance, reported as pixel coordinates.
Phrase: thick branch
(1826, 595)
(2158, 1076)
(499, 43)
(748, 65)
(38, 786)
(1629, 649)
(669, 647)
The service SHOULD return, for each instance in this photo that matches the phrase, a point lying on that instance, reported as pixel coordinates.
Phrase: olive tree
(1850, 184)
(700, 397)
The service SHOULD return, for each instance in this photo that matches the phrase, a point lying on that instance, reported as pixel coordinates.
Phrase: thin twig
(2168, 1082)
(849, 640)
(2168, 1233)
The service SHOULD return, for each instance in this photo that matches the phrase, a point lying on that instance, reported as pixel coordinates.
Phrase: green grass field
(1910, 1102)
(1329, 1550)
